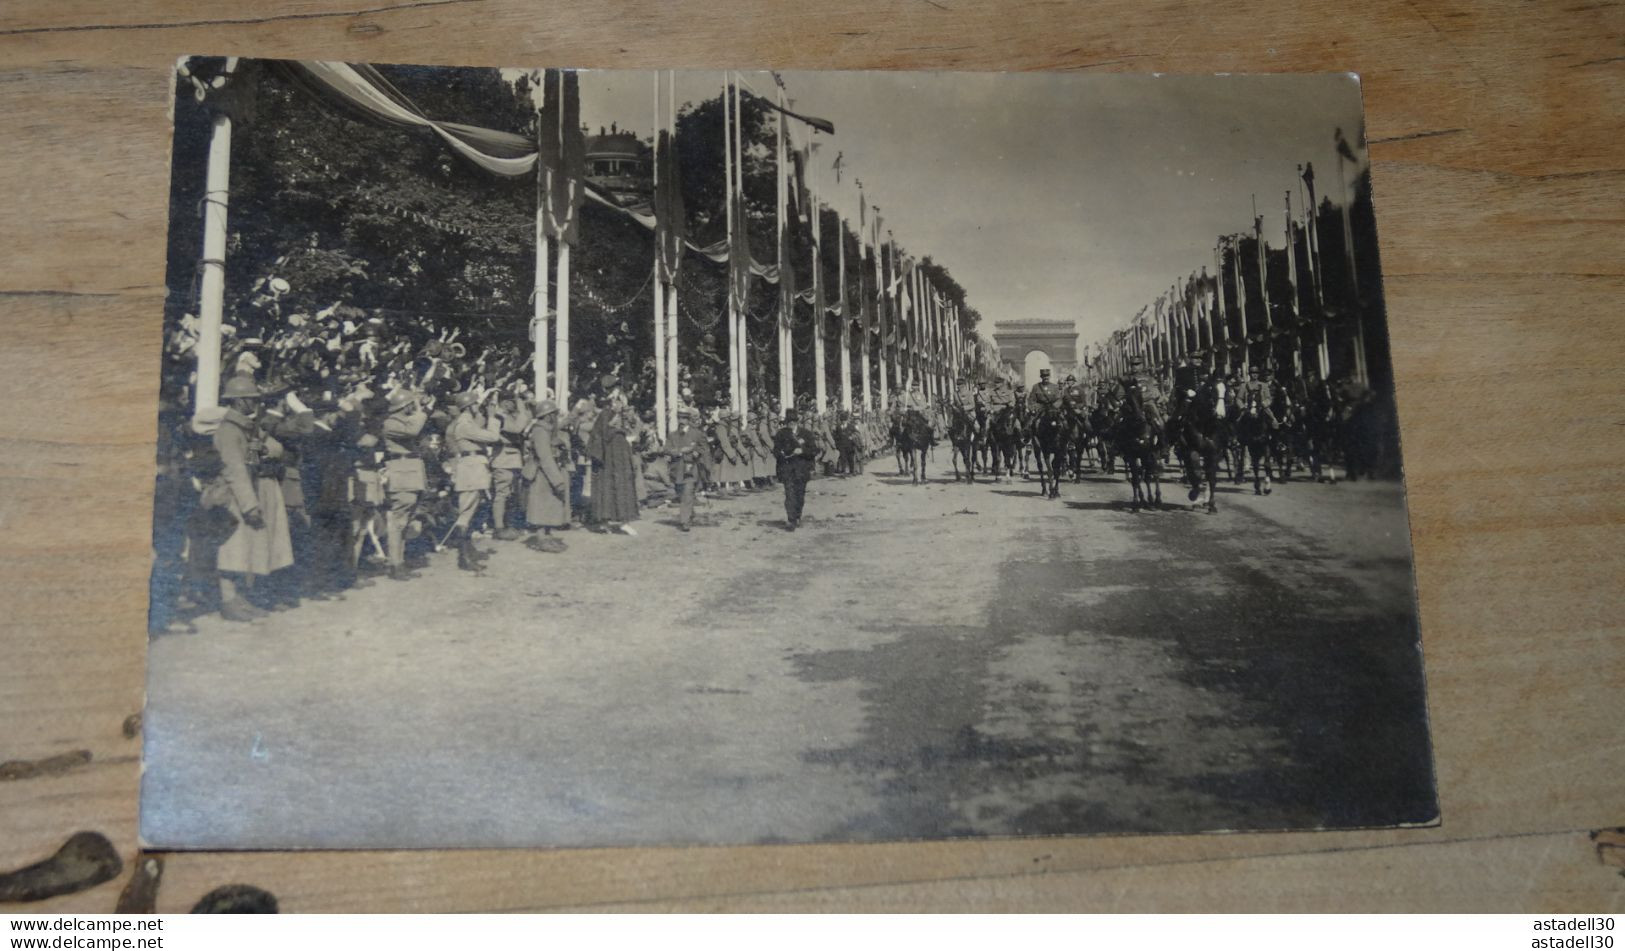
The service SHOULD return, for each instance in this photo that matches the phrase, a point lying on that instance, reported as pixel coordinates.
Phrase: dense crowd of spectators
(350, 445)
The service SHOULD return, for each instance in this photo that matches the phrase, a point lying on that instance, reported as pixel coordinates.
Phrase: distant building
(1028, 346)
(618, 162)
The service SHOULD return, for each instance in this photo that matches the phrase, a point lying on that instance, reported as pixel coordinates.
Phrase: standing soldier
(547, 505)
(260, 544)
(763, 438)
(403, 474)
(506, 466)
(467, 442)
(683, 449)
(796, 447)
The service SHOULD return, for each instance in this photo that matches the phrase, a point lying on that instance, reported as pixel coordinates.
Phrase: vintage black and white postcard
(584, 458)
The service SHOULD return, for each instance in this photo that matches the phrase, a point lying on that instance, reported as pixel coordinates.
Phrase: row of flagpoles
(1208, 319)
(908, 330)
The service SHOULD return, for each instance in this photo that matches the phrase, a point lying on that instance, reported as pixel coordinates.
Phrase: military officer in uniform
(1044, 394)
(684, 448)
(507, 465)
(914, 399)
(403, 474)
(468, 439)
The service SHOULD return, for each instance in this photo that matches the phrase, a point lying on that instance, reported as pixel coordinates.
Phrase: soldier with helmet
(403, 474)
(468, 442)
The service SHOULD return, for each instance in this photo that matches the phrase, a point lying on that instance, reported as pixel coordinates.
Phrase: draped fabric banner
(361, 88)
(365, 93)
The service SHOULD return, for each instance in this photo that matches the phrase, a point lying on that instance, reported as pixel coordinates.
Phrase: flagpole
(673, 377)
(889, 334)
(1224, 317)
(846, 316)
(786, 304)
(212, 289)
(733, 309)
(882, 359)
(561, 304)
(1263, 284)
(1348, 250)
(864, 303)
(743, 335)
(539, 324)
(659, 323)
(1292, 279)
(820, 318)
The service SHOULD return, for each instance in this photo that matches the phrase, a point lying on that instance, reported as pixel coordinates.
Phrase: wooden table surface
(1497, 136)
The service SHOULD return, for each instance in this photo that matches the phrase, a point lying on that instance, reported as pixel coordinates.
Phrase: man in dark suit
(796, 447)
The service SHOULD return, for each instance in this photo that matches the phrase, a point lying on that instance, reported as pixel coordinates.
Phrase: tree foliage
(391, 221)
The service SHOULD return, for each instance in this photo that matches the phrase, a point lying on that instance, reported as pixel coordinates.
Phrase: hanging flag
(787, 234)
(670, 221)
(565, 176)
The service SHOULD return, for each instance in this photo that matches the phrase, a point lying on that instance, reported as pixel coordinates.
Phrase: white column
(561, 339)
(673, 378)
(846, 317)
(659, 325)
(212, 291)
(787, 306)
(742, 336)
(820, 316)
(735, 400)
(659, 322)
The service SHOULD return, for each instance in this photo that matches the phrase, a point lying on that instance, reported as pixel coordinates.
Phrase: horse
(1138, 437)
(1321, 423)
(1007, 433)
(914, 440)
(962, 433)
(1050, 437)
(1100, 422)
(1193, 430)
(1078, 435)
(1253, 436)
(1289, 434)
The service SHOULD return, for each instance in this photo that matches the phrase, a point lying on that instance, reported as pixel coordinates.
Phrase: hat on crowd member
(790, 416)
(466, 399)
(688, 413)
(545, 408)
(609, 381)
(400, 398)
(241, 387)
(208, 419)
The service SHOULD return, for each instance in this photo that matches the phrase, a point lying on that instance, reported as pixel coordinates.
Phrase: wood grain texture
(1499, 177)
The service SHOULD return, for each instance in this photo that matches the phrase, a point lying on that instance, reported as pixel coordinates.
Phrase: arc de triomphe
(1029, 345)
